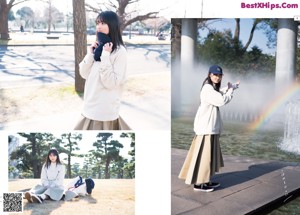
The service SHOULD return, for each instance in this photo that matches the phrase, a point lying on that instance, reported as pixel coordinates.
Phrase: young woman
(52, 177)
(105, 78)
(204, 157)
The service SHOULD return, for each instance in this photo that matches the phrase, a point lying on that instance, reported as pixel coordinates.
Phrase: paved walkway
(148, 109)
(247, 187)
(29, 39)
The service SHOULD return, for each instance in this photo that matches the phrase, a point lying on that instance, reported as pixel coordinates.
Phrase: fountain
(291, 138)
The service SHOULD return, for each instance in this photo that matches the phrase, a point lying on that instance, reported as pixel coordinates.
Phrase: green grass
(69, 90)
(237, 140)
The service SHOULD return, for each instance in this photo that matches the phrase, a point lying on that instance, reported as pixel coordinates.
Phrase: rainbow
(272, 106)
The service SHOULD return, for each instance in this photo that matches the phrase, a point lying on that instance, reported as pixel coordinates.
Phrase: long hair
(113, 22)
(208, 81)
(48, 161)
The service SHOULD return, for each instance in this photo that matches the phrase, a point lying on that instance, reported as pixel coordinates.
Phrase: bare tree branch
(255, 23)
(150, 15)
(13, 3)
(119, 6)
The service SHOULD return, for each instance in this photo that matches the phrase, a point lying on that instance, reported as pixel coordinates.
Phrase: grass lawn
(110, 196)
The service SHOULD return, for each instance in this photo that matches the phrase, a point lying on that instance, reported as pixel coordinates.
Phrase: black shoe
(203, 188)
(63, 197)
(36, 199)
(213, 184)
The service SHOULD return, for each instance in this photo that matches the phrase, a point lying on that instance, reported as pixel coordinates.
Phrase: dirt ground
(38, 101)
(110, 196)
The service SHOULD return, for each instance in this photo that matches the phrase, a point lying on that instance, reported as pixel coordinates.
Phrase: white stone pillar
(286, 52)
(188, 47)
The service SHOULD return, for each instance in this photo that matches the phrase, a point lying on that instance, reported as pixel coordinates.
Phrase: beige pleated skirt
(89, 124)
(203, 160)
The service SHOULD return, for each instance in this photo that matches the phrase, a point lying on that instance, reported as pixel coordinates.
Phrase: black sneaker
(213, 184)
(63, 197)
(36, 199)
(28, 197)
(203, 188)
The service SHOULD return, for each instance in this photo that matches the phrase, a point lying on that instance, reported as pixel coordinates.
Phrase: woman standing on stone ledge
(204, 157)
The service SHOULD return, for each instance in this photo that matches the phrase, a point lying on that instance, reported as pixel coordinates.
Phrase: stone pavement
(248, 186)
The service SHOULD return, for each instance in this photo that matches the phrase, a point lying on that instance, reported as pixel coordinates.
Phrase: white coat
(104, 84)
(208, 118)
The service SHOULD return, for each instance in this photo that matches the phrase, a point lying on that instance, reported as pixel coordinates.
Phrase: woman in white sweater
(204, 157)
(52, 177)
(105, 77)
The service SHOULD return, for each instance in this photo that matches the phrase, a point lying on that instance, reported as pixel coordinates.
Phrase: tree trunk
(80, 41)
(4, 9)
(236, 37)
(69, 156)
(49, 16)
(176, 37)
(99, 171)
(69, 166)
(107, 175)
(34, 154)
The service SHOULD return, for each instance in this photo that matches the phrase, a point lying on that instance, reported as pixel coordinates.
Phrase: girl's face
(52, 158)
(102, 27)
(215, 78)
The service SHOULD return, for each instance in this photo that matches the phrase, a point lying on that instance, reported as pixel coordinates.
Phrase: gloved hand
(102, 40)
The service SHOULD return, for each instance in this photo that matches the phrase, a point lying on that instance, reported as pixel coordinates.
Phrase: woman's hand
(229, 85)
(108, 47)
(93, 47)
(236, 85)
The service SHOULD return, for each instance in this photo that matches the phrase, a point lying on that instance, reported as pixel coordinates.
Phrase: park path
(30, 76)
(248, 186)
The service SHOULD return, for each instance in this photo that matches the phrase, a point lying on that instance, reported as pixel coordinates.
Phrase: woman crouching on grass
(204, 157)
(52, 177)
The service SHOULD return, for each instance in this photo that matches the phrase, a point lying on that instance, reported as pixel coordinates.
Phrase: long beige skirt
(203, 160)
(89, 124)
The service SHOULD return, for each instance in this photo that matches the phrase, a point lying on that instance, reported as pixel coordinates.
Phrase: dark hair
(48, 161)
(112, 20)
(208, 81)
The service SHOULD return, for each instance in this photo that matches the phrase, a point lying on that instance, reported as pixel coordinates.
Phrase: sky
(259, 38)
(167, 8)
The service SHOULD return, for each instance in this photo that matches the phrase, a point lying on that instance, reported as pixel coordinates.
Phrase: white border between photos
(4, 161)
(153, 172)
(3, 166)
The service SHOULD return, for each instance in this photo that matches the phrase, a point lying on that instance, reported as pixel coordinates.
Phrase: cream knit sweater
(208, 119)
(53, 176)
(104, 84)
